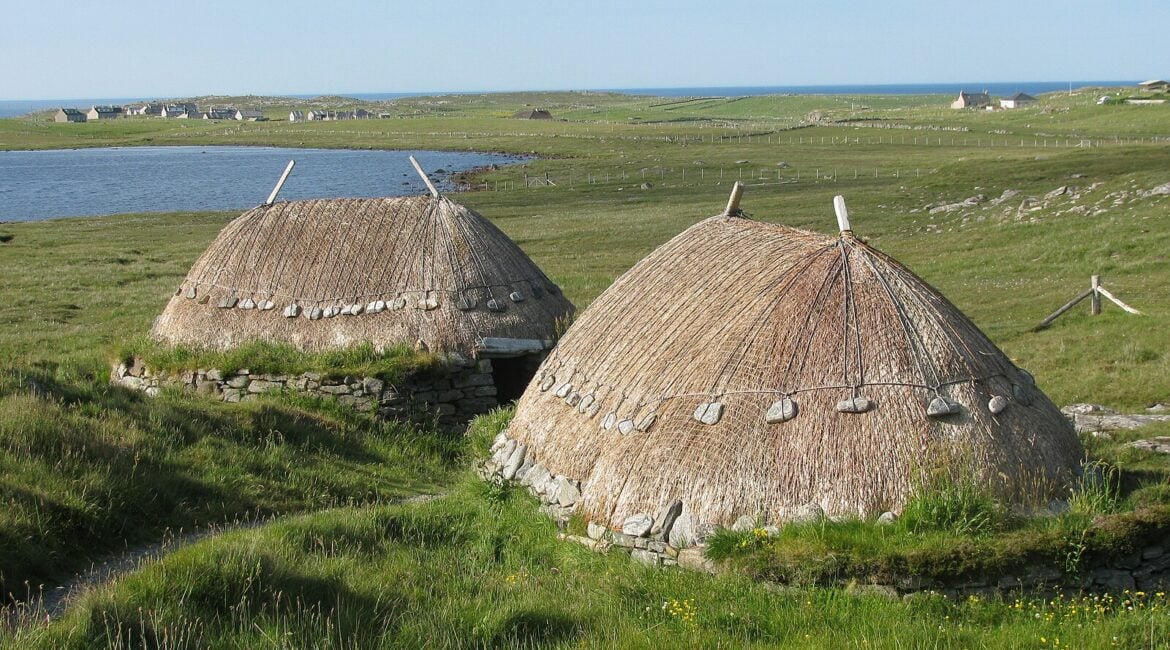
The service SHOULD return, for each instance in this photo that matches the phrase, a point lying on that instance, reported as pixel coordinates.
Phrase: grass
(468, 571)
(86, 468)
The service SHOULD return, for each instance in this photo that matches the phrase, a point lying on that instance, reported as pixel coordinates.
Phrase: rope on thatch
(774, 368)
(361, 262)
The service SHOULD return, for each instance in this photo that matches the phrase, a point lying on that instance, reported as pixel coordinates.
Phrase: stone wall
(453, 393)
(668, 538)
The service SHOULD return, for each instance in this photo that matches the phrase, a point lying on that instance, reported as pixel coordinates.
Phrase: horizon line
(424, 93)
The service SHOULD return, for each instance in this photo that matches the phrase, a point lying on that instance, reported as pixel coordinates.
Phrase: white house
(104, 112)
(249, 115)
(296, 116)
(1018, 100)
(971, 100)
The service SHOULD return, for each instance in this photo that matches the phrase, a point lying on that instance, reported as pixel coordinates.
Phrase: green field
(86, 468)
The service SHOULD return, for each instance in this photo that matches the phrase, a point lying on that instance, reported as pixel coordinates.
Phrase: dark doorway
(512, 374)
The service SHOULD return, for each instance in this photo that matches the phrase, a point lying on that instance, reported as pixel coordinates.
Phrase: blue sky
(170, 49)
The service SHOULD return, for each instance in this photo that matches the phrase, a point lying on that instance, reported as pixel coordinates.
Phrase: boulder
(808, 513)
(694, 559)
(638, 525)
(681, 534)
(744, 523)
(665, 518)
(567, 494)
(515, 460)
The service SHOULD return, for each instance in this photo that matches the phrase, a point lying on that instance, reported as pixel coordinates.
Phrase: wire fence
(789, 137)
(648, 177)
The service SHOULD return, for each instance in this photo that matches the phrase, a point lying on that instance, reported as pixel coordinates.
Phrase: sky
(153, 49)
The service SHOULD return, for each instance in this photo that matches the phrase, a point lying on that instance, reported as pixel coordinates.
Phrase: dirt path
(45, 606)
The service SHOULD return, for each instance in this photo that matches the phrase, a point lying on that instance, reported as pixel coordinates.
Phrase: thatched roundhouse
(322, 274)
(751, 369)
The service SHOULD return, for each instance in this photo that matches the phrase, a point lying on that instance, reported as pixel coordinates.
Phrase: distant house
(315, 116)
(1018, 100)
(135, 109)
(220, 114)
(534, 114)
(1154, 85)
(186, 109)
(296, 116)
(972, 100)
(104, 112)
(362, 114)
(249, 115)
(383, 116)
(68, 115)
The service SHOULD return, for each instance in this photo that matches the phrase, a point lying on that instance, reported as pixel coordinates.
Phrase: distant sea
(21, 107)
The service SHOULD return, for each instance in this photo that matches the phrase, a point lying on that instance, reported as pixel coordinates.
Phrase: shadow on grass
(533, 628)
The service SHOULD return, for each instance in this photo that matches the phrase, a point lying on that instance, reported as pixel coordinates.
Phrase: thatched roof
(746, 368)
(330, 273)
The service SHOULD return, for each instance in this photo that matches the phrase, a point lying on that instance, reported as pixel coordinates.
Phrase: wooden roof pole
(280, 183)
(732, 208)
(430, 186)
(842, 215)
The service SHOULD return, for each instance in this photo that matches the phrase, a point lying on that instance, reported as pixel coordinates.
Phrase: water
(15, 108)
(36, 185)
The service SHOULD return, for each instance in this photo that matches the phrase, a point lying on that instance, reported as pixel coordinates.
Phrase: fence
(675, 177)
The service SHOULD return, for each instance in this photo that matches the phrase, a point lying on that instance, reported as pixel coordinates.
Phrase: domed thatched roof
(746, 368)
(330, 273)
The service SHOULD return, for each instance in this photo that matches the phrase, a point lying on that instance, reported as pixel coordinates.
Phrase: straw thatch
(752, 369)
(331, 273)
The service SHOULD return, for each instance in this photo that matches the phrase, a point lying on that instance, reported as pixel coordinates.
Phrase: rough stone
(664, 519)
(622, 539)
(505, 452)
(452, 395)
(808, 513)
(232, 395)
(693, 558)
(782, 410)
(638, 525)
(1085, 423)
(373, 385)
(1160, 444)
(596, 530)
(512, 465)
(567, 493)
(1082, 408)
(744, 523)
(643, 556)
(886, 518)
(709, 412)
(238, 381)
(681, 534)
(262, 386)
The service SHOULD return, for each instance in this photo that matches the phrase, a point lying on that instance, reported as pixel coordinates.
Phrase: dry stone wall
(452, 394)
(668, 538)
